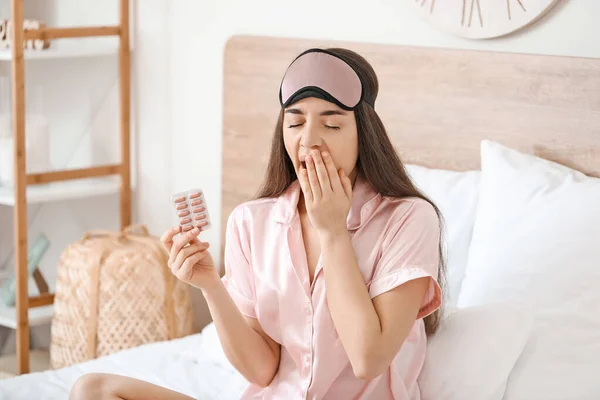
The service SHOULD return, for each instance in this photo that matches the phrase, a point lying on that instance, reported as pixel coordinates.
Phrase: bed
(457, 118)
(194, 365)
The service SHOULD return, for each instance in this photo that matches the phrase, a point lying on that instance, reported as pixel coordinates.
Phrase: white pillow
(537, 238)
(473, 351)
(211, 348)
(455, 193)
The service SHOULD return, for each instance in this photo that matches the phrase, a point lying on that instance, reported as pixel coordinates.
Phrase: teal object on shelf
(36, 251)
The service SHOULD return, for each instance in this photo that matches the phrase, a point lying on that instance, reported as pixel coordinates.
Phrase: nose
(311, 137)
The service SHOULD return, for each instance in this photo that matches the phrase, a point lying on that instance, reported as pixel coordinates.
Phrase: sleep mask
(321, 74)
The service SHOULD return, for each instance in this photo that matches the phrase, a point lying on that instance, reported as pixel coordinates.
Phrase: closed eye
(335, 128)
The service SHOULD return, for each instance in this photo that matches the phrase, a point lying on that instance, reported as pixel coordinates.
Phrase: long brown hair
(375, 153)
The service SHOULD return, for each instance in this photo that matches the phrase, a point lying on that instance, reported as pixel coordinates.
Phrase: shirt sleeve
(410, 250)
(238, 278)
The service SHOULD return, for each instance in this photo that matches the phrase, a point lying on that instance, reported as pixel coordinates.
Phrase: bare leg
(116, 387)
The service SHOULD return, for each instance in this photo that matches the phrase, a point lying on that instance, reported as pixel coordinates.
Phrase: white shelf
(67, 49)
(37, 316)
(67, 190)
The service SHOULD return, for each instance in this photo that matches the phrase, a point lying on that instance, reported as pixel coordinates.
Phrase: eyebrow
(324, 113)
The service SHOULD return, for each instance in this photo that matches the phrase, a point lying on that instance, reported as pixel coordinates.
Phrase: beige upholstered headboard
(437, 104)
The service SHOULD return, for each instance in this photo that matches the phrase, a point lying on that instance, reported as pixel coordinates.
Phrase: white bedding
(194, 365)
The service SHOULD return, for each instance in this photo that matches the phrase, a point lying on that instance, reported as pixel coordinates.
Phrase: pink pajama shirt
(395, 241)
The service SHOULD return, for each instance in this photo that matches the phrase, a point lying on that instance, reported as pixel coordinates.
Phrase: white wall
(200, 31)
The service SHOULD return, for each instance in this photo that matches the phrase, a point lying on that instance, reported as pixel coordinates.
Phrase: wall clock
(481, 19)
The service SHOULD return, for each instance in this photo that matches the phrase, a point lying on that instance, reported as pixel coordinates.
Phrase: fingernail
(325, 154)
(195, 230)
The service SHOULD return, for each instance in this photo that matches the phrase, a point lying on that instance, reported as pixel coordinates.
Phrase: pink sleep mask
(319, 73)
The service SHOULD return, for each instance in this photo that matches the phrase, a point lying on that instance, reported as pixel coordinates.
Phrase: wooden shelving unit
(69, 49)
(58, 185)
(69, 190)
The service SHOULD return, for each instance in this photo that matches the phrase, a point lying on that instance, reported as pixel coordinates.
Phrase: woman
(333, 272)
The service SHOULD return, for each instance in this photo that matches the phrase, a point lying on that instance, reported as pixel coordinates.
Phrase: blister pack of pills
(191, 210)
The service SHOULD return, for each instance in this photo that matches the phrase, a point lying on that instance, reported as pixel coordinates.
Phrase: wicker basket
(115, 291)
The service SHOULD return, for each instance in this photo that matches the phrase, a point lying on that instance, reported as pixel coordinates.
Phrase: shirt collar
(364, 202)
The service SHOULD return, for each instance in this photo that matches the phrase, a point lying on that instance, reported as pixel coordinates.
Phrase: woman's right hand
(189, 259)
